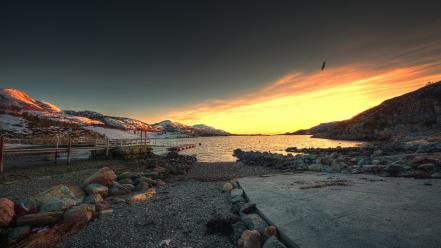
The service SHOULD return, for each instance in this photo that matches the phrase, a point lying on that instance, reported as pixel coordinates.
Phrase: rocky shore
(160, 201)
(401, 159)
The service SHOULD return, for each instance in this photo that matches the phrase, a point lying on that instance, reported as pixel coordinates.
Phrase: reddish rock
(105, 176)
(270, 231)
(250, 239)
(7, 212)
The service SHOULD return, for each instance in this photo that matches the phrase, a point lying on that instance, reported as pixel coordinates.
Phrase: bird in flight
(323, 65)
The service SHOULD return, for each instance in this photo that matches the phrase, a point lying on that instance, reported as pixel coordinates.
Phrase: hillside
(417, 113)
(22, 116)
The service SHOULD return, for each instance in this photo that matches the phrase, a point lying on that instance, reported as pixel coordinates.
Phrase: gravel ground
(178, 212)
(225, 171)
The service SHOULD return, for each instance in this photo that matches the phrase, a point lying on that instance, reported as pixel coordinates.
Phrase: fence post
(69, 150)
(107, 147)
(56, 149)
(2, 172)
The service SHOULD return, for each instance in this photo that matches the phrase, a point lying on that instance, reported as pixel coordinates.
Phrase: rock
(427, 167)
(25, 206)
(436, 175)
(364, 161)
(118, 189)
(57, 205)
(160, 183)
(7, 212)
(227, 187)
(115, 199)
(236, 192)
(79, 215)
(327, 169)
(95, 188)
(18, 233)
(270, 231)
(166, 243)
(136, 198)
(105, 176)
(142, 186)
(104, 207)
(254, 221)
(128, 175)
(369, 168)
(40, 219)
(126, 180)
(93, 199)
(315, 167)
(150, 181)
(421, 174)
(248, 208)
(221, 223)
(273, 242)
(236, 206)
(161, 172)
(238, 228)
(250, 239)
(152, 175)
(129, 186)
(237, 199)
(59, 196)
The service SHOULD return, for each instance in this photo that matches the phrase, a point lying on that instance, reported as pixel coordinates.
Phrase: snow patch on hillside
(113, 133)
(14, 124)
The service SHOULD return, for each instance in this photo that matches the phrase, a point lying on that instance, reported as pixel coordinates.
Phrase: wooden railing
(67, 146)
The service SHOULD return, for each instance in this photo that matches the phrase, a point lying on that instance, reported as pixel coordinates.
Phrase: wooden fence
(68, 146)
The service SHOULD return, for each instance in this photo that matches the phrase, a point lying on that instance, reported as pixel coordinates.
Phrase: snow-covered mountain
(23, 116)
(205, 130)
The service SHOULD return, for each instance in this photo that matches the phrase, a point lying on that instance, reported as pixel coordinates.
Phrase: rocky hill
(23, 116)
(415, 114)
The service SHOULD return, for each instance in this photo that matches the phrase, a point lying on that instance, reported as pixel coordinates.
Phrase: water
(218, 149)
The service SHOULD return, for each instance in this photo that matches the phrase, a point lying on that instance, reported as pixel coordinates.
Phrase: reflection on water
(216, 149)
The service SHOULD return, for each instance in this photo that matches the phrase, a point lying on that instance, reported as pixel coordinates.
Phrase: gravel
(178, 212)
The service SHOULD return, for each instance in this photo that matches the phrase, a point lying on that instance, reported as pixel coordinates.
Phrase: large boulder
(7, 212)
(250, 239)
(238, 228)
(227, 187)
(40, 219)
(119, 189)
(105, 176)
(58, 196)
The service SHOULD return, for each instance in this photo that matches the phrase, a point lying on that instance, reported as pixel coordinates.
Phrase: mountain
(415, 114)
(123, 123)
(22, 116)
(176, 128)
(204, 130)
(13, 100)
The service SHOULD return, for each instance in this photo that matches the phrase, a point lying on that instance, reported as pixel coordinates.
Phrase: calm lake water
(218, 149)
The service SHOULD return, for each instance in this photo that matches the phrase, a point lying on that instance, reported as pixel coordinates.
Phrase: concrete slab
(339, 210)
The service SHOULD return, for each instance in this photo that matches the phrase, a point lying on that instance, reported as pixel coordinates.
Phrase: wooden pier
(181, 147)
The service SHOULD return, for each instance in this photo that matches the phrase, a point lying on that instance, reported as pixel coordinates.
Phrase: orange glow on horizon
(301, 100)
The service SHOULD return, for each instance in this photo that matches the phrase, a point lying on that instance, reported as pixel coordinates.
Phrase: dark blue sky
(142, 59)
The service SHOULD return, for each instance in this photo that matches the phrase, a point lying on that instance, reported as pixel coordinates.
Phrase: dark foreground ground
(178, 213)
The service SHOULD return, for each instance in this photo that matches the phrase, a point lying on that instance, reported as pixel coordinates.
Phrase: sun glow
(301, 100)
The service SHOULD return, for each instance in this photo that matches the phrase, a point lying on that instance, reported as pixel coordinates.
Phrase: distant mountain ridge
(417, 113)
(21, 115)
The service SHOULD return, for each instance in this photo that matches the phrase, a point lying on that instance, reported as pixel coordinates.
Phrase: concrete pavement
(340, 210)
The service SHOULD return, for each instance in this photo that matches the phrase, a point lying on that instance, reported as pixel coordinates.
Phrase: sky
(241, 66)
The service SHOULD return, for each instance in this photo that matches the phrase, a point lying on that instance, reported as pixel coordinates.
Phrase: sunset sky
(241, 66)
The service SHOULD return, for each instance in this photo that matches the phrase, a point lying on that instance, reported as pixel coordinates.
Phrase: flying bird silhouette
(323, 65)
